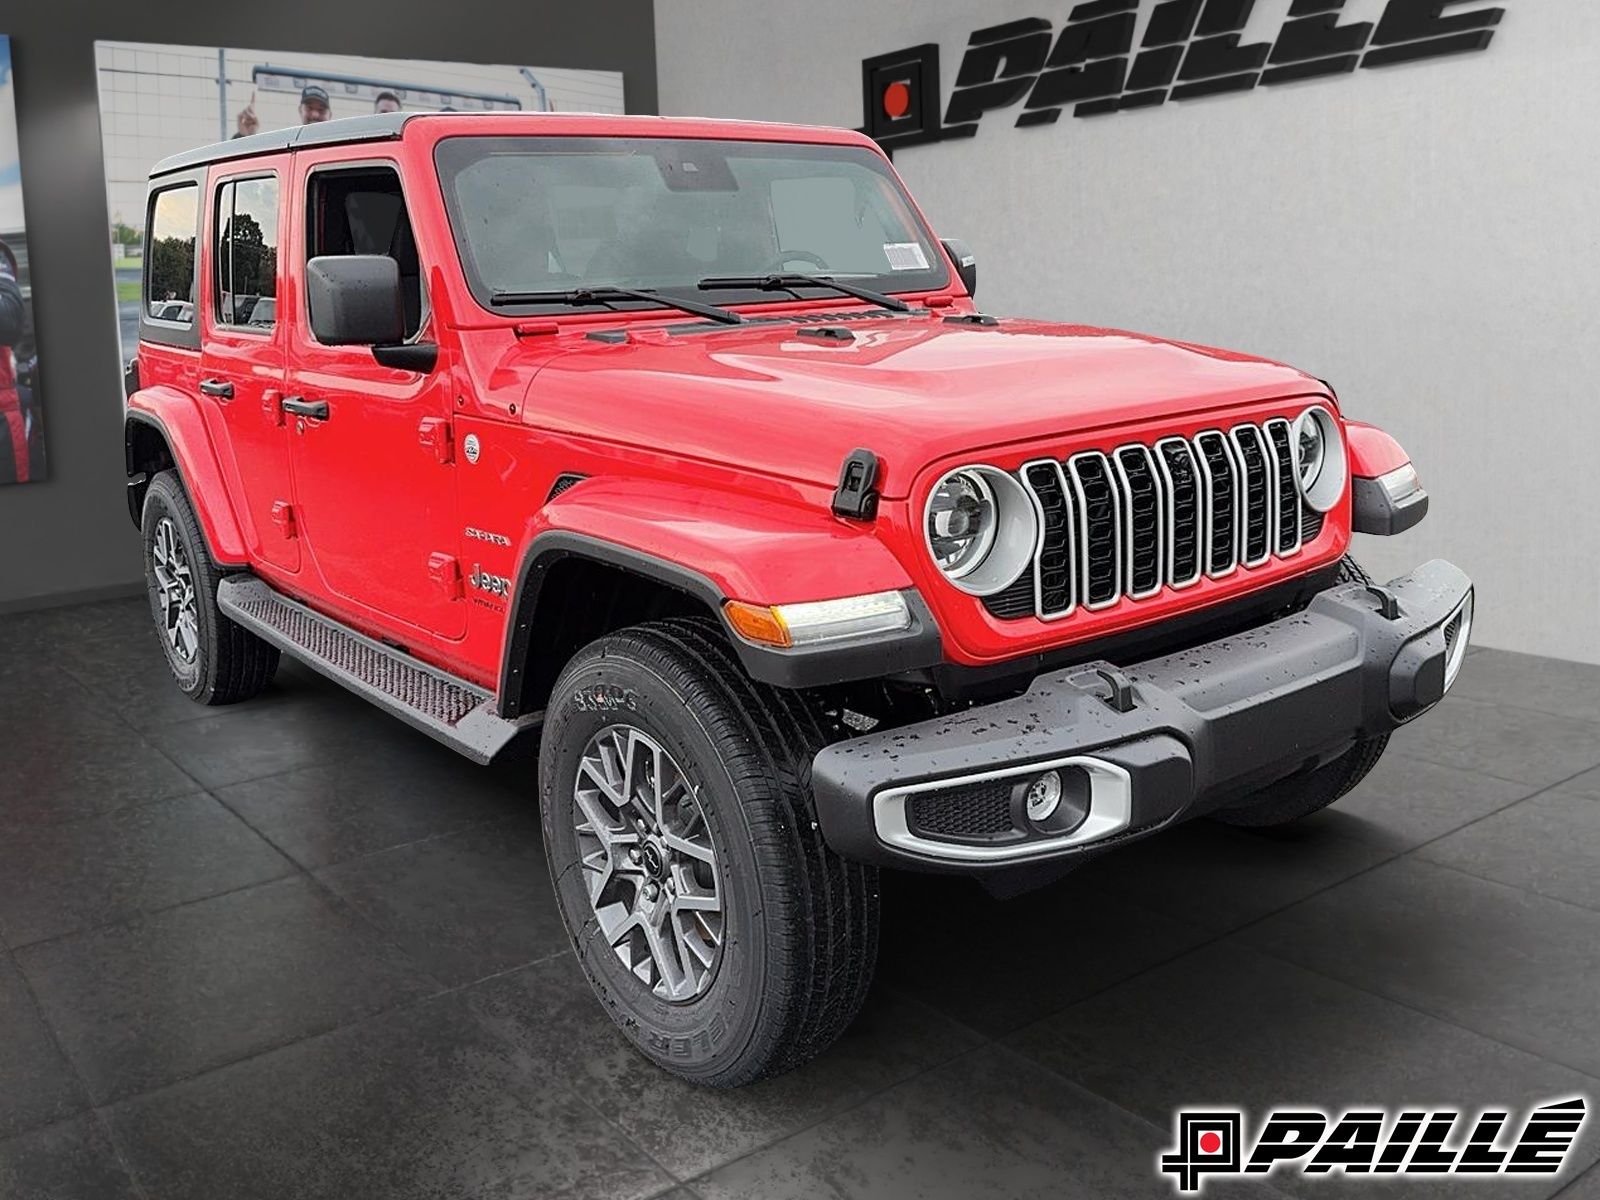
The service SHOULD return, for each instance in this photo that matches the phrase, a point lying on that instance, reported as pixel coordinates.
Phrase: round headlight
(982, 529)
(961, 522)
(1320, 466)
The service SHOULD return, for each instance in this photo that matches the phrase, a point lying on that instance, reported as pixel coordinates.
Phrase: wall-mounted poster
(21, 417)
(161, 100)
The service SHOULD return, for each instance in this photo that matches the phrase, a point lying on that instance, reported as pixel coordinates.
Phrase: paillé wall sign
(1190, 48)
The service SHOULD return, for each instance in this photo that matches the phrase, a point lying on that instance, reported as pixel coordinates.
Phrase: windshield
(562, 215)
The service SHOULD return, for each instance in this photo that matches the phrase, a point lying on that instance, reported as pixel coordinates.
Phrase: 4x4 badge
(470, 447)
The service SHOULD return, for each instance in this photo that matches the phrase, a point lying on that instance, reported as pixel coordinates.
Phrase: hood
(773, 399)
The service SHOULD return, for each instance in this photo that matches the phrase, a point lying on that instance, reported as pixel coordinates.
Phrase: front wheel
(718, 930)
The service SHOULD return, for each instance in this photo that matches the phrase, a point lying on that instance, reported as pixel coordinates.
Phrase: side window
(361, 210)
(247, 253)
(169, 277)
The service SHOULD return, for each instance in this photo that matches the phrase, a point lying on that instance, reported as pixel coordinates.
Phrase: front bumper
(1146, 745)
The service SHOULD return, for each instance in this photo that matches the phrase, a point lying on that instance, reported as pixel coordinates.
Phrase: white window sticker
(905, 256)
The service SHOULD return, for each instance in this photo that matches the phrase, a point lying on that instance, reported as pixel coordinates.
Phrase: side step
(450, 710)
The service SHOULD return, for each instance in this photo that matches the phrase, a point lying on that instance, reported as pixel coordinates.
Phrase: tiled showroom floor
(294, 950)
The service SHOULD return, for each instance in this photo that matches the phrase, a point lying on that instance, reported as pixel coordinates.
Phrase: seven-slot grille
(1129, 523)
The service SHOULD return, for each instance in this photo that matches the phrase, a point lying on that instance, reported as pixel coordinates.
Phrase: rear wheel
(1311, 791)
(718, 930)
(213, 660)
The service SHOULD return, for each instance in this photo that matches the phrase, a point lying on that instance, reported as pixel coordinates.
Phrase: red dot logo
(897, 100)
(1210, 1143)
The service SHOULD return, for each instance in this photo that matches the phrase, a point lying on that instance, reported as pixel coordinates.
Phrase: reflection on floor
(294, 950)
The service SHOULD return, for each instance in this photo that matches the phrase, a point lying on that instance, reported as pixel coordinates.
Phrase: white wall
(1426, 237)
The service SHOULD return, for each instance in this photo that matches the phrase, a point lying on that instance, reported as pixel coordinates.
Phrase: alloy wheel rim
(180, 614)
(649, 867)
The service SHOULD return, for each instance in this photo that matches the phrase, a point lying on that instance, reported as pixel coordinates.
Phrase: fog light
(1043, 797)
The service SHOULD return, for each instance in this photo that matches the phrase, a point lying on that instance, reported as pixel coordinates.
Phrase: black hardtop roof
(378, 127)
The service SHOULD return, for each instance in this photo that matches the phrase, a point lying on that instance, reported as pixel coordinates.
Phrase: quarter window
(169, 257)
(247, 253)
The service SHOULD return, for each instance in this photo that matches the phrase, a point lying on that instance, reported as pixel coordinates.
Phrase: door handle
(301, 407)
(220, 388)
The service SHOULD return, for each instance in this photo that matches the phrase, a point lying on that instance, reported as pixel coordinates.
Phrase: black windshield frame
(454, 154)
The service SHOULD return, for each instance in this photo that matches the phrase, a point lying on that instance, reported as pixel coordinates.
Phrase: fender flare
(914, 649)
(1374, 454)
(189, 446)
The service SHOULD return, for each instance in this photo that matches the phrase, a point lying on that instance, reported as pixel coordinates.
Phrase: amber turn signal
(757, 623)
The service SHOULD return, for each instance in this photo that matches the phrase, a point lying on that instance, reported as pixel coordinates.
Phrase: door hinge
(283, 518)
(445, 571)
(434, 434)
(272, 407)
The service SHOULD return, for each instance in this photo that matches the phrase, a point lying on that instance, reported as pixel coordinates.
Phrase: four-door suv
(681, 446)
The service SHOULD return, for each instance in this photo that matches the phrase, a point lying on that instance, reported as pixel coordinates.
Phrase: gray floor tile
(1549, 844)
(1231, 1026)
(37, 1084)
(72, 623)
(1518, 967)
(1587, 1187)
(997, 965)
(1220, 878)
(57, 879)
(1407, 801)
(465, 906)
(251, 742)
(139, 1005)
(423, 1102)
(1508, 743)
(989, 1124)
(1587, 784)
(82, 768)
(1551, 685)
(322, 815)
(70, 1161)
(549, 1012)
(147, 698)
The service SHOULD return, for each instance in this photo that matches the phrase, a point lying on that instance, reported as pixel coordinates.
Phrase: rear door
(374, 480)
(244, 355)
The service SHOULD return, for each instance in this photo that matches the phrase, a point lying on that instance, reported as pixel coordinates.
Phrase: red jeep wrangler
(682, 446)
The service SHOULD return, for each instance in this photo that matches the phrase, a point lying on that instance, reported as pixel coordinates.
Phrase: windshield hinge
(856, 496)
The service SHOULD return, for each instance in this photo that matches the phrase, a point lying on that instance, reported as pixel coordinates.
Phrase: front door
(244, 356)
(374, 478)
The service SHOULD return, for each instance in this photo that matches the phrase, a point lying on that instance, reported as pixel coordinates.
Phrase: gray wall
(1423, 236)
(69, 537)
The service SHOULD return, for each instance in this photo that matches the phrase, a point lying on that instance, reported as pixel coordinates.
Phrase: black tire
(228, 663)
(1312, 791)
(799, 924)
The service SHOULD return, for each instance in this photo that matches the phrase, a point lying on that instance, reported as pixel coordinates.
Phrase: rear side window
(172, 230)
(246, 253)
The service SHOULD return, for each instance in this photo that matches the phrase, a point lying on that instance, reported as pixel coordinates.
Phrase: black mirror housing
(966, 264)
(355, 300)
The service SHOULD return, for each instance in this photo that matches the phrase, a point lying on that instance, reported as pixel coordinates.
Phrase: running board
(447, 709)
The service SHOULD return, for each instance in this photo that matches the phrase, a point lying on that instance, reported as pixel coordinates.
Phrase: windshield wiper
(787, 282)
(606, 294)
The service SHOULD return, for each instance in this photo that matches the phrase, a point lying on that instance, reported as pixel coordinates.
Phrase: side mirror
(355, 300)
(966, 264)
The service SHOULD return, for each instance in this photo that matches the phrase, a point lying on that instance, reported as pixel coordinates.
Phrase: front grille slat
(1100, 528)
(1143, 521)
(1221, 471)
(1055, 571)
(1131, 523)
(1185, 494)
(1281, 440)
(1255, 523)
